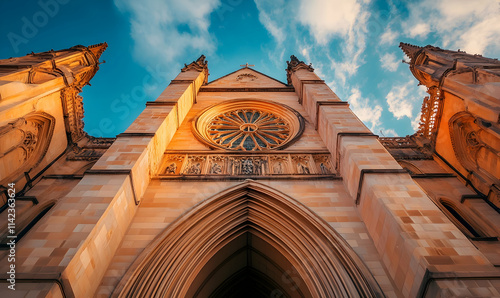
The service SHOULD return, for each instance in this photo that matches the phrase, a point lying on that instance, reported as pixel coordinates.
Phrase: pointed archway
(248, 237)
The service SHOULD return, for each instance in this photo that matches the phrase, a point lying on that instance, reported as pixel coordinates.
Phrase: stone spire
(295, 64)
(200, 65)
(98, 49)
(409, 49)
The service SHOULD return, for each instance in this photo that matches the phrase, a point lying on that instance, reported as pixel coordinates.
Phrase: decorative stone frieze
(263, 164)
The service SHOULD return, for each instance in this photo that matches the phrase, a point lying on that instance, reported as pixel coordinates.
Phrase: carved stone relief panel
(477, 148)
(302, 164)
(213, 164)
(246, 77)
(248, 165)
(195, 165)
(173, 164)
(23, 144)
(279, 164)
(323, 164)
(217, 165)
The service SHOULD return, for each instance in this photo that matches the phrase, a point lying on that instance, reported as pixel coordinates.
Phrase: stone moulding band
(136, 134)
(348, 134)
(374, 171)
(327, 103)
(244, 89)
(224, 165)
(160, 103)
(127, 172)
(302, 87)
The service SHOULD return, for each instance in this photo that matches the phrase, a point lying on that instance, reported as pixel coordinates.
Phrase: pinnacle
(409, 49)
(98, 49)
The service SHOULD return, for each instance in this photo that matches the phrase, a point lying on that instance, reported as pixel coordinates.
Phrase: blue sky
(352, 44)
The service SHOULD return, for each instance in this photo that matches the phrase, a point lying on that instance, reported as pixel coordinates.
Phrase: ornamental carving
(476, 148)
(195, 165)
(73, 113)
(92, 150)
(257, 164)
(246, 77)
(200, 65)
(23, 144)
(248, 125)
(293, 65)
(302, 164)
(323, 164)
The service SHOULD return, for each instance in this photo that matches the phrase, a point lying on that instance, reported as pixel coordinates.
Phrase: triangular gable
(246, 78)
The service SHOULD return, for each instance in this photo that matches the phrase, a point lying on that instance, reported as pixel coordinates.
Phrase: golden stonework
(248, 125)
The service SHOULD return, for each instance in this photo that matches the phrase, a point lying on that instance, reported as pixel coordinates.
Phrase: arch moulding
(322, 258)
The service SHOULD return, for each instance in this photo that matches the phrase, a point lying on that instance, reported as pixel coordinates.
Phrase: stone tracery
(248, 125)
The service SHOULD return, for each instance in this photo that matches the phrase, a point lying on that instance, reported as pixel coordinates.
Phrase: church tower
(246, 186)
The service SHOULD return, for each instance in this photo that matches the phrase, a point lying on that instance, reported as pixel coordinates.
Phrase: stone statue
(194, 169)
(216, 169)
(247, 167)
(278, 168)
(324, 169)
(171, 169)
(302, 168)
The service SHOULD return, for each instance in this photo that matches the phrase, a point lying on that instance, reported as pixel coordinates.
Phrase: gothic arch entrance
(248, 241)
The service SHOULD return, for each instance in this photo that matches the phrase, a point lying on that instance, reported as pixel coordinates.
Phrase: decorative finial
(247, 65)
(409, 49)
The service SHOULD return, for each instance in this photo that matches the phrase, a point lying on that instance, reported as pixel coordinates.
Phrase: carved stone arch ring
(248, 125)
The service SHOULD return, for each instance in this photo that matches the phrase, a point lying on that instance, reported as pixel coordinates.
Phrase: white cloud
(325, 20)
(402, 99)
(415, 123)
(368, 113)
(390, 61)
(389, 132)
(305, 53)
(270, 14)
(419, 30)
(388, 37)
(165, 30)
(473, 26)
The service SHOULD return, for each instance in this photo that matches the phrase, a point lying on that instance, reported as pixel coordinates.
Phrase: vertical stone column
(413, 237)
(87, 225)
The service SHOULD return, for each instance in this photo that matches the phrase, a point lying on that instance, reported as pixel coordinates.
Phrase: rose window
(248, 125)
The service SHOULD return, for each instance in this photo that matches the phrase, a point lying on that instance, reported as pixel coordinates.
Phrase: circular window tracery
(248, 125)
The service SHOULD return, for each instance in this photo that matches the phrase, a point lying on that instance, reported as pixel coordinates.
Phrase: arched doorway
(248, 241)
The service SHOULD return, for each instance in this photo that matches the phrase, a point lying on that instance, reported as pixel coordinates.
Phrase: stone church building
(248, 187)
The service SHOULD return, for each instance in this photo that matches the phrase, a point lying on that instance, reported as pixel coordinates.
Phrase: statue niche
(23, 144)
(477, 147)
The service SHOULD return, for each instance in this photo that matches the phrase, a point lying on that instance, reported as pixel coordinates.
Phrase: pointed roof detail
(295, 64)
(98, 49)
(246, 77)
(200, 65)
(409, 49)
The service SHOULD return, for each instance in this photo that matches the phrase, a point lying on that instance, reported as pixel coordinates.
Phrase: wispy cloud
(473, 26)
(419, 30)
(402, 99)
(365, 109)
(342, 21)
(327, 19)
(165, 31)
(388, 37)
(271, 16)
(390, 61)
(339, 19)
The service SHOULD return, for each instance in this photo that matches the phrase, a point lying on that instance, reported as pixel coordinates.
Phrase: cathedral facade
(246, 186)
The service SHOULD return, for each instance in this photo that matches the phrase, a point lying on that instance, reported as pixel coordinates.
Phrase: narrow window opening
(461, 220)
